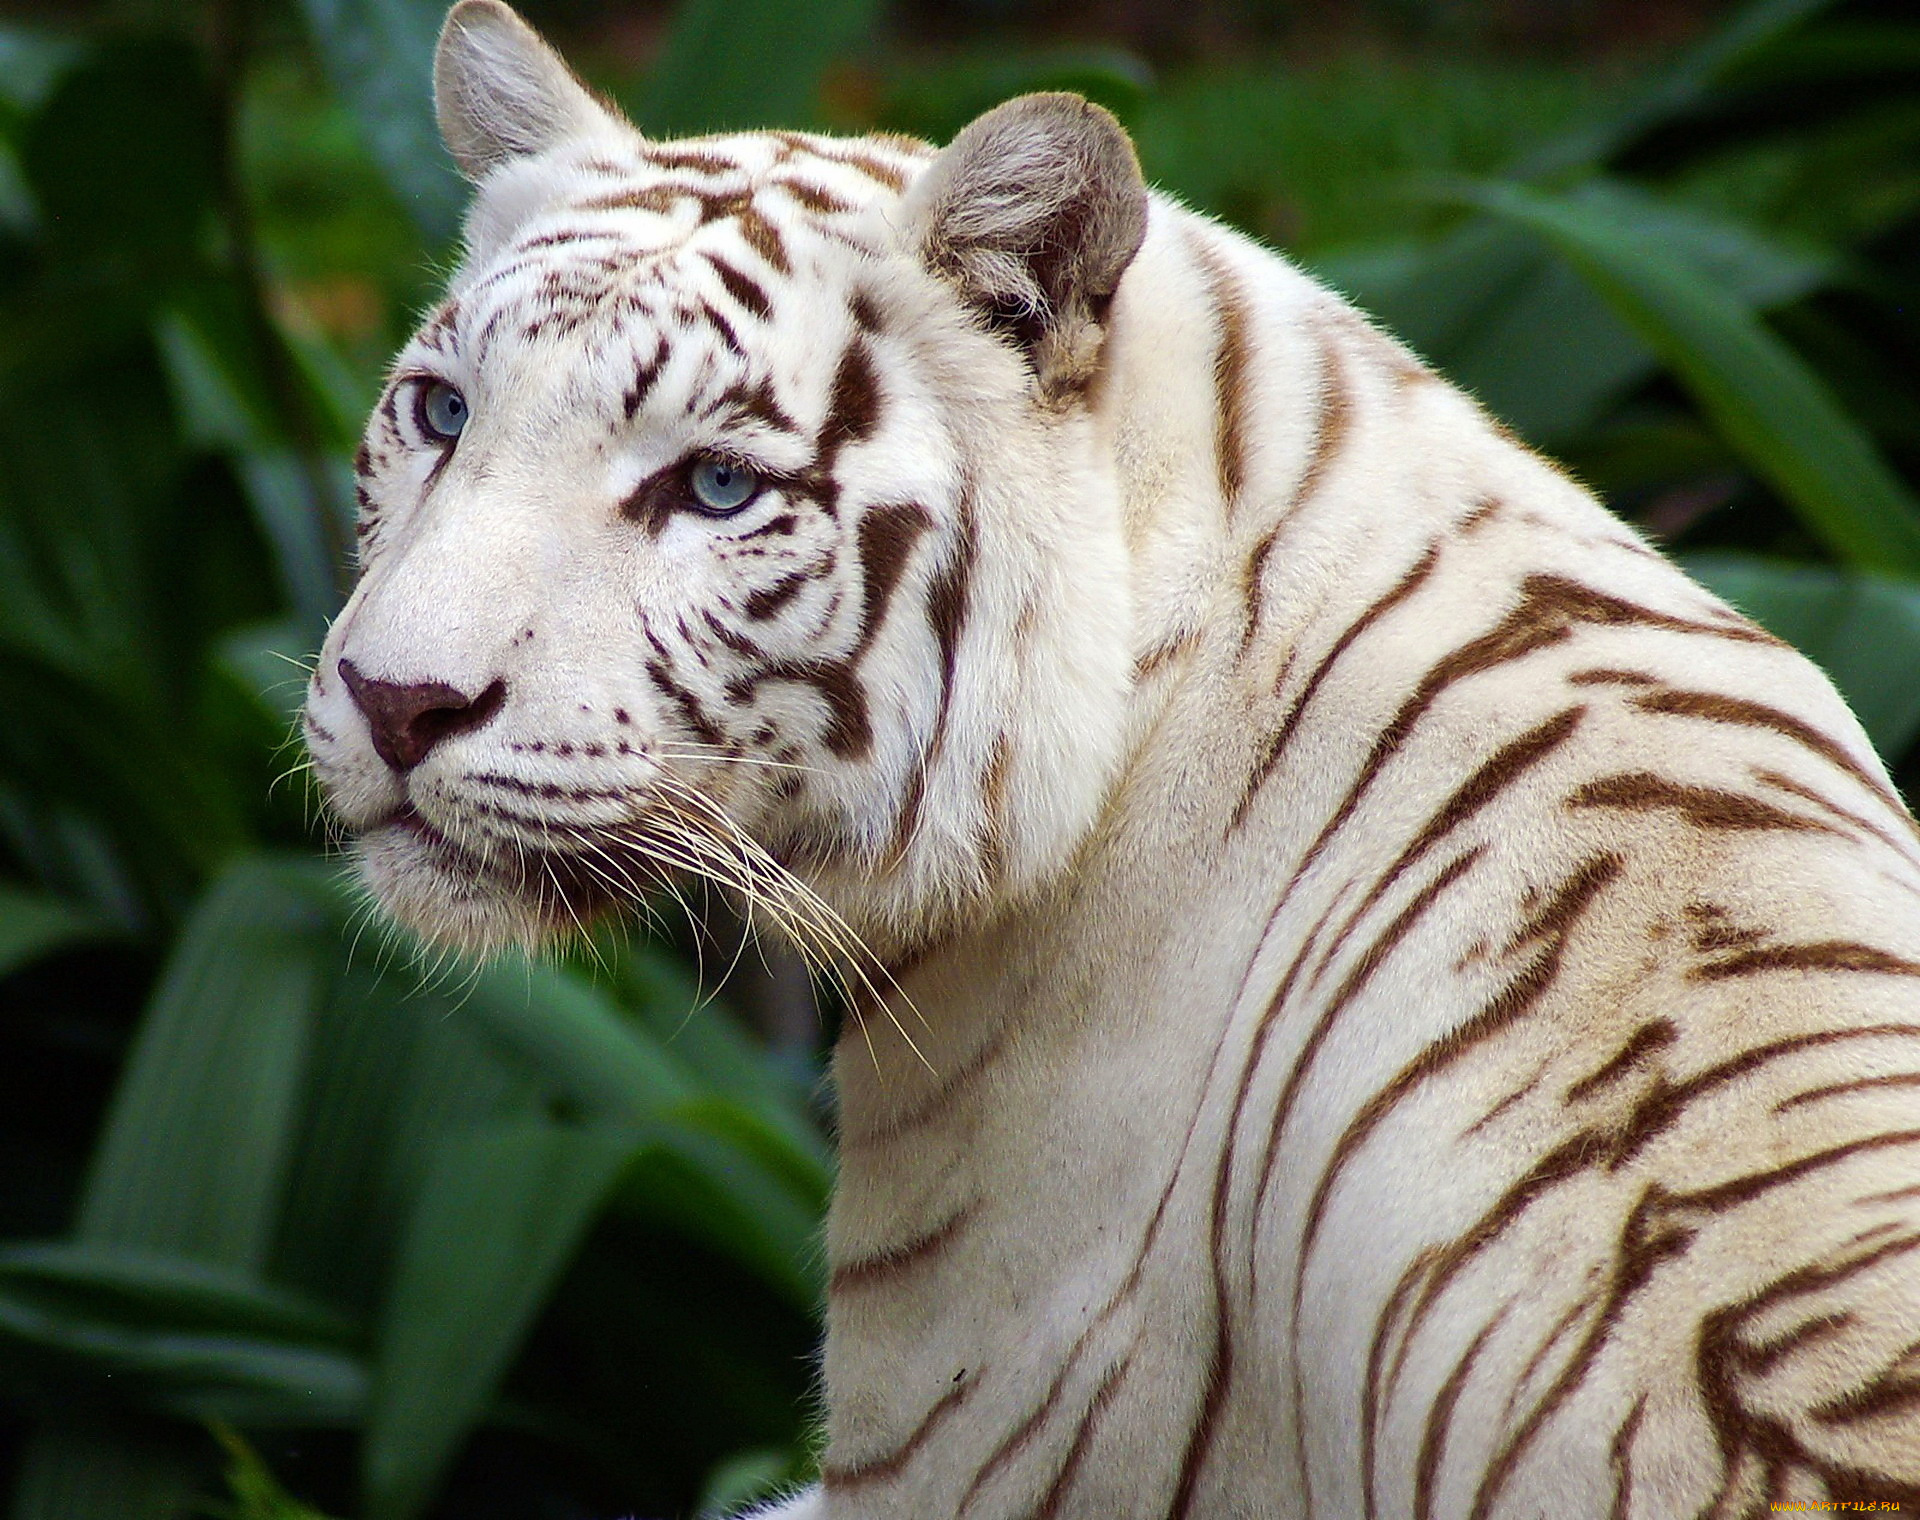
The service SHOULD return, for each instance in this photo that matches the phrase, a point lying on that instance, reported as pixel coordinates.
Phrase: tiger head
(746, 509)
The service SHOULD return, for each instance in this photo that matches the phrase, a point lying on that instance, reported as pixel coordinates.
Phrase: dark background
(291, 1217)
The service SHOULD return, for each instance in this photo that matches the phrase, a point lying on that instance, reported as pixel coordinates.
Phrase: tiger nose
(408, 719)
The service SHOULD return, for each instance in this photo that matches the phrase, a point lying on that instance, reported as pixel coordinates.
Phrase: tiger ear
(500, 92)
(1034, 212)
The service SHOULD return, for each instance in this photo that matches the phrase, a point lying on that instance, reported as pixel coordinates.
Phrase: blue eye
(442, 410)
(720, 486)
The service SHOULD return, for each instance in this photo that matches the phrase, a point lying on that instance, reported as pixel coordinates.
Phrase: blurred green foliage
(259, 1171)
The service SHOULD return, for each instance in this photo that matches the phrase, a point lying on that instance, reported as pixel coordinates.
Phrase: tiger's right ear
(501, 93)
(1032, 215)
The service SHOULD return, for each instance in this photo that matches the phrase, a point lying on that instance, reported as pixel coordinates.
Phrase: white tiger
(1406, 1006)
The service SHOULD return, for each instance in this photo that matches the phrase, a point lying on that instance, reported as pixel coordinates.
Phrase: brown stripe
(853, 411)
(1620, 1459)
(1549, 610)
(1492, 777)
(1741, 1190)
(1717, 707)
(742, 288)
(1759, 1359)
(1410, 1279)
(695, 159)
(1604, 675)
(1821, 955)
(1644, 1245)
(1433, 1439)
(1082, 1439)
(883, 1266)
(1369, 962)
(1647, 1039)
(1574, 1313)
(723, 329)
(1484, 511)
(816, 198)
(1662, 1107)
(1828, 806)
(1229, 376)
(758, 403)
(1554, 925)
(1842, 1089)
(838, 1479)
(1397, 593)
(645, 373)
(656, 198)
(1885, 1395)
(1017, 1439)
(764, 603)
(991, 842)
(1253, 580)
(873, 168)
(1704, 807)
(952, 1084)
(886, 539)
(691, 711)
(764, 238)
(1161, 654)
(1330, 426)
(887, 536)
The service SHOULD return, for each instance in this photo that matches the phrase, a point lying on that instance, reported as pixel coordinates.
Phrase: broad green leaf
(703, 1173)
(1540, 346)
(1771, 407)
(395, 1066)
(574, 1037)
(257, 1494)
(196, 1146)
(33, 924)
(500, 1214)
(144, 1287)
(747, 63)
(1862, 629)
(178, 1335)
(379, 55)
(1674, 89)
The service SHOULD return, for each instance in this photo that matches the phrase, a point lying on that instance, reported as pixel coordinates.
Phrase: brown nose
(409, 718)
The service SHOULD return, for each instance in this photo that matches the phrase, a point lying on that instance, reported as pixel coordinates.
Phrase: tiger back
(1387, 999)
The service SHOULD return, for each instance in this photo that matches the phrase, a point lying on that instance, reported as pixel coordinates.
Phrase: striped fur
(1406, 1006)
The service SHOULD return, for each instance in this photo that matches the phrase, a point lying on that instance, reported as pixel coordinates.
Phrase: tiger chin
(1398, 1003)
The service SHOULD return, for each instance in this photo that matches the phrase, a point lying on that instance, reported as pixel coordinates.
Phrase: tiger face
(676, 512)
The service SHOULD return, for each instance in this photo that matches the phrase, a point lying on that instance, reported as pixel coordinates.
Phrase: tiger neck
(1208, 453)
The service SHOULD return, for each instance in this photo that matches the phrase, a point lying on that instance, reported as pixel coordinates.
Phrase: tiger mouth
(568, 886)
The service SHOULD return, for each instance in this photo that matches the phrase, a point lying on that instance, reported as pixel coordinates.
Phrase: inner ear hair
(500, 92)
(1033, 214)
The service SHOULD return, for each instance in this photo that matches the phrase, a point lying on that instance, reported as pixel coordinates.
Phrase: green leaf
(1773, 410)
(178, 1335)
(1674, 89)
(747, 63)
(196, 1145)
(574, 1036)
(501, 1212)
(1862, 629)
(379, 55)
(33, 924)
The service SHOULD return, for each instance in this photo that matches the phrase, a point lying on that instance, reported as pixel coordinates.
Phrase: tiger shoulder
(1378, 996)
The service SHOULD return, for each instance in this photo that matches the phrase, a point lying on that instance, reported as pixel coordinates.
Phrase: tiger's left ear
(501, 93)
(1034, 213)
